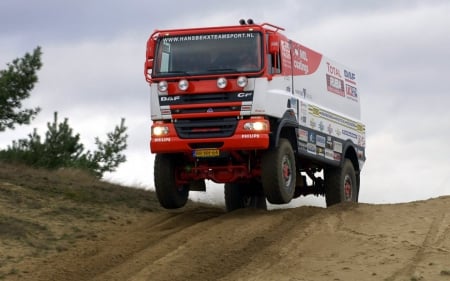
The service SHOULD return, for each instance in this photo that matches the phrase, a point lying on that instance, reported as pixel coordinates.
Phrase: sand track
(61, 226)
(348, 242)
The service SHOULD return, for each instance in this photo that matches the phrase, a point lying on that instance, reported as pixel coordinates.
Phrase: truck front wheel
(170, 195)
(278, 173)
(341, 184)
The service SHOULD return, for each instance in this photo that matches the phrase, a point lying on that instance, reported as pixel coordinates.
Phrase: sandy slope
(351, 242)
(345, 242)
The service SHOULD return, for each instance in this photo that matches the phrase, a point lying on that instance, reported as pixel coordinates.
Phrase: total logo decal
(343, 87)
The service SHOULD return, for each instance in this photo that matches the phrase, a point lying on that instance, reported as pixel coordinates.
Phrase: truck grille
(206, 128)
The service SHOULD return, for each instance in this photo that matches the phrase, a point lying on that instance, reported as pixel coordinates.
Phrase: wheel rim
(286, 170)
(348, 188)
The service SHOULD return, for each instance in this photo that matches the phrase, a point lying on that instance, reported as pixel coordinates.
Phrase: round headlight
(183, 85)
(162, 86)
(242, 81)
(222, 82)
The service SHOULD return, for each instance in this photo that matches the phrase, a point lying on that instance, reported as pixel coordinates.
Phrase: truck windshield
(203, 54)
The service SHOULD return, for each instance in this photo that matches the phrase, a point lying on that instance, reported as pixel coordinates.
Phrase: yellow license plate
(206, 153)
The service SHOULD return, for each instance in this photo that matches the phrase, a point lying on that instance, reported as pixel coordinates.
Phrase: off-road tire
(169, 195)
(239, 196)
(336, 190)
(278, 173)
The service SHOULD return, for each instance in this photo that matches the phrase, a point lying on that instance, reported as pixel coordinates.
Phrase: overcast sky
(93, 56)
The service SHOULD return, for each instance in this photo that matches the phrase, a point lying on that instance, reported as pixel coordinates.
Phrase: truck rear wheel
(239, 196)
(341, 184)
(278, 173)
(170, 195)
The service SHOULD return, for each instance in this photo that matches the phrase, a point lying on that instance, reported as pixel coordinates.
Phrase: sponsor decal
(305, 61)
(302, 93)
(337, 156)
(337, 146)
(312, 123)
(301, 66)
(329, 154)
(303, 146)
(330, 129)
(320, 141)
(202, 37)
(335, 85)
(166, 139)
(329, 143)
(302, 135)
(350, 77)
(321, 126)
(250, 136)
(286, 53)
(302, 63)
(361, 141)
(320, 151)
(333, 70)
(303, 112)
(349, 134)
(311, 148)
(351, 93)
(311, 137)
(350, 124)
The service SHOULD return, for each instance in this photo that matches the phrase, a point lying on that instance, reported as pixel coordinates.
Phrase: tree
(62, 148)
(108, 156)
(16, 83)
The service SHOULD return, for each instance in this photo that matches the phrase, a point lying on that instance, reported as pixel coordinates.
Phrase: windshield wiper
(227, 70)
(174, 73)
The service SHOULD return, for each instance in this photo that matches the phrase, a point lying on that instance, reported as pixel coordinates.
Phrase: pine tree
(16, 83)
(108, 155)
(62, 148)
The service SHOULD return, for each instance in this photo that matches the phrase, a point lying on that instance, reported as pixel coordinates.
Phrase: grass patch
(13, 228)
(74, 212)
(78, 186)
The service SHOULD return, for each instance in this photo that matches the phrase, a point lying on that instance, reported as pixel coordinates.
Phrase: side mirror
(149, 56)
(274, 43)
(151, 44)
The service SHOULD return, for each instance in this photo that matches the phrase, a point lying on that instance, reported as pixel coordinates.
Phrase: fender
(288, 120)
(349, 152)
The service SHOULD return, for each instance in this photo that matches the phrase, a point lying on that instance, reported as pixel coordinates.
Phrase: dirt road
(353, 242)
(346, 242)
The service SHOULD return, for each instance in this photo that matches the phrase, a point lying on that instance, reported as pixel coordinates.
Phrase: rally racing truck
(245, 106)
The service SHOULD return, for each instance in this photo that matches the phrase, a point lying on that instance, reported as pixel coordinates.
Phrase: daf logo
(244, 95)
(169, 98)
